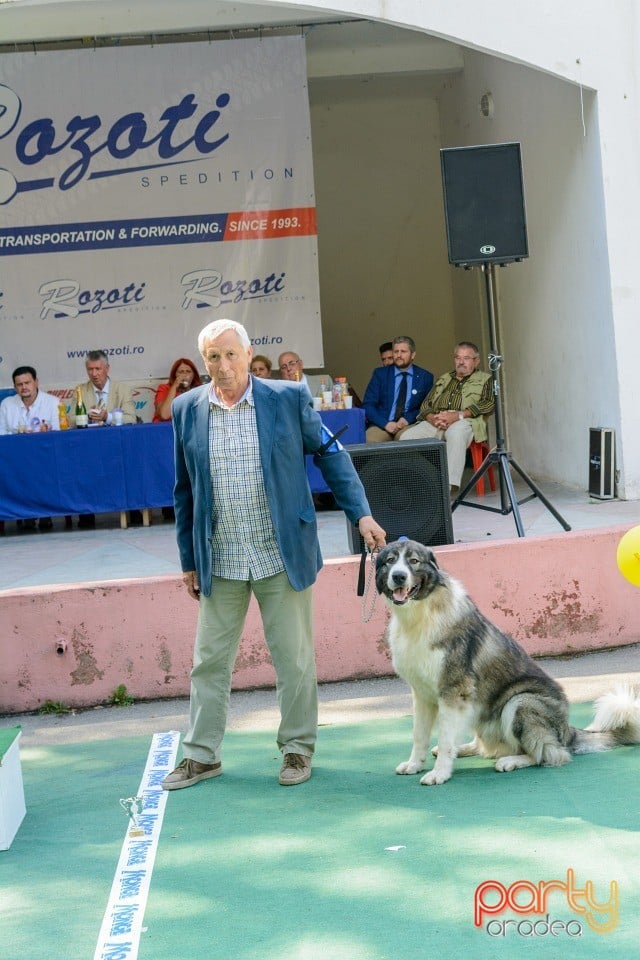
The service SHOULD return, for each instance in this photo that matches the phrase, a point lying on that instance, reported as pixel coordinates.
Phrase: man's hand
(443, 419)
(98, 414)
(396, 425)
(372, 533)
(190, 580)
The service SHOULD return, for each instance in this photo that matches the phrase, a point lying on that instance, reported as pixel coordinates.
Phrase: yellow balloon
(628, 556)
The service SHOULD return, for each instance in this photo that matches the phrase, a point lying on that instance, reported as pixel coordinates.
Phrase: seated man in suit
(102, 395)
(393, 397)
(455, 409)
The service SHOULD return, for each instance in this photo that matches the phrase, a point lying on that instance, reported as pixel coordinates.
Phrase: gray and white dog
(472, 677)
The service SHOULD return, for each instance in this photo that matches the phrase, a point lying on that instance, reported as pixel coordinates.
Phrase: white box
(12, 806)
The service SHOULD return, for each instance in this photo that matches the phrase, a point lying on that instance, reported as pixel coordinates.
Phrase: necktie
(402, 396)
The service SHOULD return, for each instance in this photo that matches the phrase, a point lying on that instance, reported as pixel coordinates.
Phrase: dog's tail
(616, 722)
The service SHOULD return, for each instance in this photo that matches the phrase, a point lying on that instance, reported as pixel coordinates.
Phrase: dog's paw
(507, 764)
(409, 766)
(435, 777)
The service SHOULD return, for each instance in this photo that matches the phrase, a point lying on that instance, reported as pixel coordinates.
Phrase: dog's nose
(399, 577)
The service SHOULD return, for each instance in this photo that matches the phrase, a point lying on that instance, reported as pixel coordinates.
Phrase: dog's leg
(534, 725)
(470, 749)
(452, 721)
(424, 715)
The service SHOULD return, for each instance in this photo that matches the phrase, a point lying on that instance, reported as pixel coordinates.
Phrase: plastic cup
(327, 396)
(117, 418)
(348, 402)
(317, 403)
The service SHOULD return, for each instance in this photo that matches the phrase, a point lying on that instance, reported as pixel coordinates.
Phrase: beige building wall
(381, 241)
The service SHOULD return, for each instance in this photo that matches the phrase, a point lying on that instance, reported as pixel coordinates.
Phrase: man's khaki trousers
(287, 617)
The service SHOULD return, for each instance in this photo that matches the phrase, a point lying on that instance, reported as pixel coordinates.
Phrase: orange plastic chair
(478, 453)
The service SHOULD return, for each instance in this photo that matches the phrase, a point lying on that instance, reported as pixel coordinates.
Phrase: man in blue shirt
(393, 397)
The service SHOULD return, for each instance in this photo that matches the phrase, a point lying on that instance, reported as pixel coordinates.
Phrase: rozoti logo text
(180, 126)
(208, 288)
(64, 298)
(492, 898)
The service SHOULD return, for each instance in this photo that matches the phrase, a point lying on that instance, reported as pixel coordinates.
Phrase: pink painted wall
(556, 595)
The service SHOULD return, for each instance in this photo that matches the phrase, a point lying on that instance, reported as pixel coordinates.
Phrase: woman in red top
(182, 377)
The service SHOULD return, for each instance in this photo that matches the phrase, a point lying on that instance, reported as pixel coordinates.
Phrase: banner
(145, 191)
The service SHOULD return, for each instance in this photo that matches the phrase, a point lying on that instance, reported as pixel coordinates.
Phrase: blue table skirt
(108, 469)
(98, 470)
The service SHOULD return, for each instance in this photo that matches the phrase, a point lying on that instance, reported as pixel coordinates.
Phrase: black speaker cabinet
(484, 204)
(407, 485)
(602, 463)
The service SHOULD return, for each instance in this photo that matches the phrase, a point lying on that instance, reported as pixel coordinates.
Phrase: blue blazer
(378, 396)
(288, 428)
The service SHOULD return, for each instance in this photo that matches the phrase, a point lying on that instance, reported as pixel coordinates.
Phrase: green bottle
(82, 420)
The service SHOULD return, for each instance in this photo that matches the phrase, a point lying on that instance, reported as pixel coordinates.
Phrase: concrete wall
(556, 595)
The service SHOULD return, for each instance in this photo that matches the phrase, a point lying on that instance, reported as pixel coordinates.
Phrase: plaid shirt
(243, 540)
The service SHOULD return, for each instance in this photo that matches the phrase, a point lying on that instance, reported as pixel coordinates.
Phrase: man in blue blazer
(245, 523)
(393, 397)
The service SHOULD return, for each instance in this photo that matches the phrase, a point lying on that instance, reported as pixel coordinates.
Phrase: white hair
(216, 328)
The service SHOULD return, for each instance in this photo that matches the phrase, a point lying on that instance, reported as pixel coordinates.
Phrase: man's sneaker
(296, 768)
(189, 772)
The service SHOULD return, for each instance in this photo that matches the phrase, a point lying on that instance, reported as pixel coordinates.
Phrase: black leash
(363, 563)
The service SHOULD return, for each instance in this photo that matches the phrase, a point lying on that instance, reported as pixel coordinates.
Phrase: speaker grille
(407, 486)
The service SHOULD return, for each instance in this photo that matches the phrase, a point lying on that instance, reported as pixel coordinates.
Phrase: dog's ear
(432, 560)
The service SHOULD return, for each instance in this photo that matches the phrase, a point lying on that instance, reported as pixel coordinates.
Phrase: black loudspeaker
(602, 475)
(484, 204)
(407, 485)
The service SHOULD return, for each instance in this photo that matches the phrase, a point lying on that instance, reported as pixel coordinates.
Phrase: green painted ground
(248, 869)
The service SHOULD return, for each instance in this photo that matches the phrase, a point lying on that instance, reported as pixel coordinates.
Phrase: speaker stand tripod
(499, 456)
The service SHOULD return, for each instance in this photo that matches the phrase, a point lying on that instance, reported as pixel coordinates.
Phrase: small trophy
(132, 806)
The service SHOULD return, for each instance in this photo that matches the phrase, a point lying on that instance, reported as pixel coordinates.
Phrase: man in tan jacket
(102, 395)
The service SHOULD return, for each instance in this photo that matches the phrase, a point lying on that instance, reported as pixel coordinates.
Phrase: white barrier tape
(119, 937)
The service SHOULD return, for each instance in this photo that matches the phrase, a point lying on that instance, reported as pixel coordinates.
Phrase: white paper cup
(117, 418)
(348, 402)
(327, 396)
(317, 403)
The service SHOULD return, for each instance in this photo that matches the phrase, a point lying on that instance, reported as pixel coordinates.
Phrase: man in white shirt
(30, 410)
